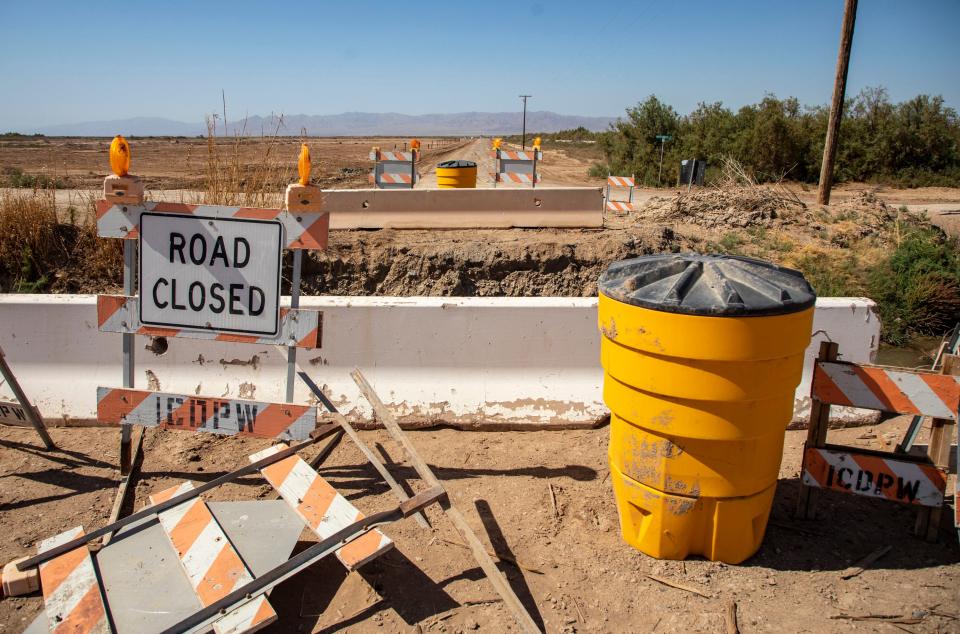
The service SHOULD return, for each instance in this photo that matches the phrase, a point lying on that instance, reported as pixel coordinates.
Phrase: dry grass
(232, 179)
(39, 253)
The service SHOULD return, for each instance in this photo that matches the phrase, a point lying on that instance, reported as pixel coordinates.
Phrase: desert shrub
(917, 288)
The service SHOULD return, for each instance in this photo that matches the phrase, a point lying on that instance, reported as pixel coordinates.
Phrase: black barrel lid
(716, 285)
(457, 163)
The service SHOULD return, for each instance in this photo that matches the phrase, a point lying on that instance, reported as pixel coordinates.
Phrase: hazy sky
(66, 62)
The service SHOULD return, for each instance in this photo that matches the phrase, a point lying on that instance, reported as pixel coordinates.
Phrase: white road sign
(220, 274)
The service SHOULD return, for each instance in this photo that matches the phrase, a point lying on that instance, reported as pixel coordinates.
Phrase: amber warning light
(120, 156)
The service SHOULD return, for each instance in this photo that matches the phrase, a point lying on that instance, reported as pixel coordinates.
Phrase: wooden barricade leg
(497, 580)
(816, 437)
(32, 415)
(942, 430)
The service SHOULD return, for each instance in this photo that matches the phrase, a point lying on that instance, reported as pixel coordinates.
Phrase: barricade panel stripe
(320, 506)
(302, 229)
(873, 476)
(189, 412)
(71, 593)
(208, 558)
(888, 390)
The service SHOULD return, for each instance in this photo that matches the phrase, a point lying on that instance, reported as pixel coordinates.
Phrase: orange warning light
(303, 165)
(414, 144)
(496, 143)
(536, 143)
(120, 156)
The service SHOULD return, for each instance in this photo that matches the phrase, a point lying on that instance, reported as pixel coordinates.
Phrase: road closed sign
(220, 274)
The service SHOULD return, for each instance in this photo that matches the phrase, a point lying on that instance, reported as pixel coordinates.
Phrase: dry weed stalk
(231, 180)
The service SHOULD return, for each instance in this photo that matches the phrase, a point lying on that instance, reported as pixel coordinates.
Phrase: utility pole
(523, 136)
(836, 106)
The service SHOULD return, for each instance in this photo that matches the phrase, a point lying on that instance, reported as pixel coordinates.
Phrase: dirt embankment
(475, 263)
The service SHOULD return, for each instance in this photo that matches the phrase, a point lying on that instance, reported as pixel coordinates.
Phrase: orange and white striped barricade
(918, 480)
(394, 170)
(219, 561)
(619, 183)
(207, 272)
(516, 167)
(320, 506)
(72, 597)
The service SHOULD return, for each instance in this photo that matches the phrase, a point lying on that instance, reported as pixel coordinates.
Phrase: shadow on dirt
(847, 528)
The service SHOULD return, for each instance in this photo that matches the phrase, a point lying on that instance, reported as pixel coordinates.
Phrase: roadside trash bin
(456, 174)
(701, 357)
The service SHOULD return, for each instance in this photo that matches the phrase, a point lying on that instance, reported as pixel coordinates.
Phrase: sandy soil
(579, 575)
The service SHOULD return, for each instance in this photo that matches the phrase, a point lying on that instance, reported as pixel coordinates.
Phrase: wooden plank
(212, 565)
(188, 412)
(301, 328)
(860, 473)
(321, 507)
(26, 409)
(365, 450)
(499, 582)
(816, 434)
(941, 430)
(894, 390)
(72, 596)
(136, 443)
(302, 229)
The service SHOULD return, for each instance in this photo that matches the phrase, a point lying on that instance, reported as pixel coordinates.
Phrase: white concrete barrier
(472, 362)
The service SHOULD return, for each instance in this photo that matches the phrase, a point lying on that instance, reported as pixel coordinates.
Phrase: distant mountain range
(345, 124)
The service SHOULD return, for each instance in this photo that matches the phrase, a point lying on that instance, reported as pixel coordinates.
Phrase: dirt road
(580, 575)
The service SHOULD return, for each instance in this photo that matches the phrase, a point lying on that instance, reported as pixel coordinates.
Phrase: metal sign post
(663, 138)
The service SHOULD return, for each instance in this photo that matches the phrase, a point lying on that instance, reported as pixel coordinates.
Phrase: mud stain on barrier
(247, 390)
(609, 331)
(253, 362)
(153, 383)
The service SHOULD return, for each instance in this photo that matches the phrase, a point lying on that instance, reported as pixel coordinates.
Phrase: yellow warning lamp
(536, 143)
(119, 156)
(496, 143)
(303, 164)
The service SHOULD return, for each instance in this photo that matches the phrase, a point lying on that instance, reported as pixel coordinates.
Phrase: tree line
(912, 143)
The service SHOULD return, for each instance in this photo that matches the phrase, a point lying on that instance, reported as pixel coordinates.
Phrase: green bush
(914, 143)
(917, 289)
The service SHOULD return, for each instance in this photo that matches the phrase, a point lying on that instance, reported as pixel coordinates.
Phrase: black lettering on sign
(4, 411)
(235, 299)
(20, 414)
(173, 296)
(907, 489)
(177, 242)
(255, 291)
(197, 299)
(864, 483)
(884, 480)
(202, 411)
(156, 298)
(221, 411)
(219, 252)
(198, 255)
(236, 252)
(171, 400)
(840, 481)
(216, 295)
(246, 416)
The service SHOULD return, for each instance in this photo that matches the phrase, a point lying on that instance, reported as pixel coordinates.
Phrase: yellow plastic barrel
(456, 175)
(701, 356)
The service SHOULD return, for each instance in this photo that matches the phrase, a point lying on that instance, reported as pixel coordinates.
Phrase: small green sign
(664, 137)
